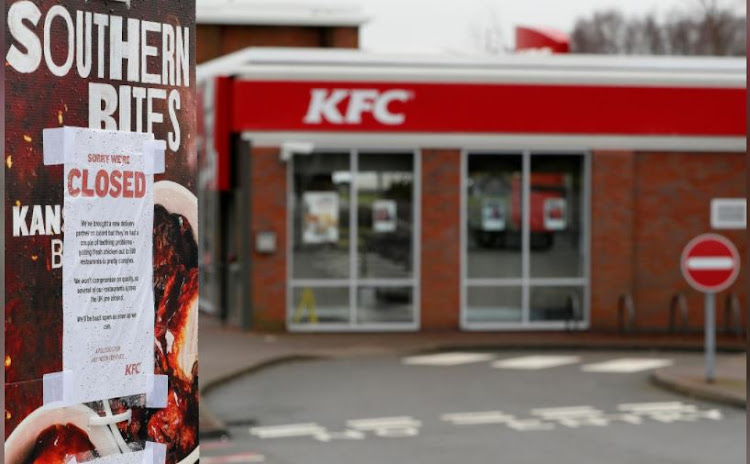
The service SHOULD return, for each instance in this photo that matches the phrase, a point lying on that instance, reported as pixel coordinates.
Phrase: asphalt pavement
(472, 407)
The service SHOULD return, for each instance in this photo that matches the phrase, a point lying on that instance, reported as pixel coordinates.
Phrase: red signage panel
(710, 263)
(487, 108)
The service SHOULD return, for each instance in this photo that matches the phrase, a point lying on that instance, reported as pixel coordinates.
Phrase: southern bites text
(107, 47)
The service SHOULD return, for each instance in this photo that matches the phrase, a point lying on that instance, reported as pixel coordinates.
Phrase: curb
(697, 390)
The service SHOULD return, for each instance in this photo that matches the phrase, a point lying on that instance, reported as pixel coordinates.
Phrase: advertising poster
(384, 216)
(493, 214)
(112, 280)
(321, 217)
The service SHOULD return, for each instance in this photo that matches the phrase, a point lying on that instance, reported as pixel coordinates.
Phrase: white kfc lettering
(325, 106)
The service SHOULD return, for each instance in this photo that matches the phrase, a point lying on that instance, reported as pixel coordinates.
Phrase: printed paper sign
(384, 216)
(108, 297)
(493, 214)
(321, 217)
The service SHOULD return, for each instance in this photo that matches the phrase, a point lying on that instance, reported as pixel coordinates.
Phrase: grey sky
(446, 25)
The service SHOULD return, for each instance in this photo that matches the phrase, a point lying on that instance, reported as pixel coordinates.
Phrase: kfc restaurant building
(523, 192)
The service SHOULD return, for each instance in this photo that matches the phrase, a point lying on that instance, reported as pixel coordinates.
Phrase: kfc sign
(347, 106)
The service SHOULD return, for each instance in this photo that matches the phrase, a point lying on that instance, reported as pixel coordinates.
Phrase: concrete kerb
(695, 389)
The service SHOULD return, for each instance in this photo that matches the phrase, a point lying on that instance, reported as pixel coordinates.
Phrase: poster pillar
(101, 231)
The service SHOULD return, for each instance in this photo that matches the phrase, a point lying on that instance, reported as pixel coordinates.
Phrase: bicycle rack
(625, 313)
(732, 315)
(678, 303)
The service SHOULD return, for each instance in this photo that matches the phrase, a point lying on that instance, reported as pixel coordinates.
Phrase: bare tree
(487, 32)
(705, 28)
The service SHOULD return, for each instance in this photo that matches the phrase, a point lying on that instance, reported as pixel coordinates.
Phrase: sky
(449, 26)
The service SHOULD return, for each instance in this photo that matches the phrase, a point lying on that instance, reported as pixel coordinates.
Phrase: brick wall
(441, 183)
(645, 208)
(673, 197)
(612, 247)
(268, 212)
(216, 40)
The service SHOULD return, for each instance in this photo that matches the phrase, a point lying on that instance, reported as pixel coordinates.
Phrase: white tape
(156, 453)
(153, 156)
(153, 453)
(57, 389)
(59, 145)
(156, 392)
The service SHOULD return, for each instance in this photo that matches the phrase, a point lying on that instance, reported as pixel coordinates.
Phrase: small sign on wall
(729, 213)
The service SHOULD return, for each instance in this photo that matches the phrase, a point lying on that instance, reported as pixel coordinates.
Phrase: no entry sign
(710, 263)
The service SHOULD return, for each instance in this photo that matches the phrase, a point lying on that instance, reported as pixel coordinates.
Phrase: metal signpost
(710, 263)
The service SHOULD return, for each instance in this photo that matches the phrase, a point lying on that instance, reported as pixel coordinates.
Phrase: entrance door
(353, 252)
(525, 260)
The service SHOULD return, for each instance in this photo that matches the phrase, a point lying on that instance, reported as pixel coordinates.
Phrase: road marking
(387, 427)
(536, 362)
(713, 263)
(240, 458)
(382, 422)
(447, 359)
(542, 419)
(627, 365)
(566, 411)
(657, 406)
(285, 431)
(476, 418)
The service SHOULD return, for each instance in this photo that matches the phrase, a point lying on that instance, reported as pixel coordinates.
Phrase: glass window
(320, 305)
(494, 304)
(320, 212)
(385, 304)
(494, 216)
(525, 240)
(556, 216)
(556, 303)
(385, 184)
(353, 240)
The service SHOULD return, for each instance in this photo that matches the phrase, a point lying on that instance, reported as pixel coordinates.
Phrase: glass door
(352, 218)
(525, 261)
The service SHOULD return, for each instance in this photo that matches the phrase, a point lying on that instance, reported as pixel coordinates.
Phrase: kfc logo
(133, 369)
(347, 106)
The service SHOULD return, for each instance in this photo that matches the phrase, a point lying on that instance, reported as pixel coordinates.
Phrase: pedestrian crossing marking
(447, 359)
(627, 365)
(536, 362)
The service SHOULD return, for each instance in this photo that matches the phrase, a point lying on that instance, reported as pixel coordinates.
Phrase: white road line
(284, 431)
(567, 411)
(627, 365)
(536, 362)
(447, 359)
(383, 422)
(718, 263)
(477, 418)
(234, 459)
(656, 406)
